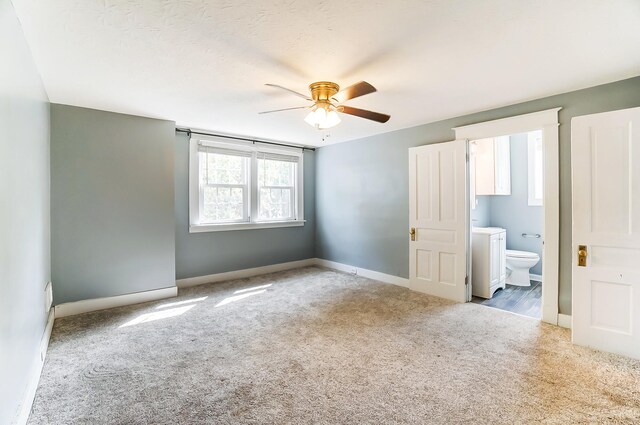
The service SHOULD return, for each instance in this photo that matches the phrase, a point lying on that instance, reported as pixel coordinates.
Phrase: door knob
(412, 233)
(582, 256)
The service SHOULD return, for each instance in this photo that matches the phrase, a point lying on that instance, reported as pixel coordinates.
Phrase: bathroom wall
(481, 214)
(512, 212)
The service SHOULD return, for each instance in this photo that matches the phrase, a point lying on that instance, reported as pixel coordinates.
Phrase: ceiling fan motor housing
(323, 90)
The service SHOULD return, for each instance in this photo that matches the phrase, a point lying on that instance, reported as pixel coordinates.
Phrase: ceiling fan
(327, 101)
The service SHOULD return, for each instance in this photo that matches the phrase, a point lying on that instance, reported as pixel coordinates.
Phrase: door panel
(437, 204)
(606, 212)
(495, 259)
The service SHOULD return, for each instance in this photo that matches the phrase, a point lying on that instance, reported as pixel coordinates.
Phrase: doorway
(544, 124)
(439, 210)
(506, 209)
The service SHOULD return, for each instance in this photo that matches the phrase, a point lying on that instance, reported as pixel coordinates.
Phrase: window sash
(245, 199)
(292, 203)
(293, 177)
(203, 182)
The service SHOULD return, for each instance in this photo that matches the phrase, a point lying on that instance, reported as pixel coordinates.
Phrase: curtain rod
(254, 141)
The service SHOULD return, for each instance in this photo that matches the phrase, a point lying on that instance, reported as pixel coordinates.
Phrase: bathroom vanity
(489, 251)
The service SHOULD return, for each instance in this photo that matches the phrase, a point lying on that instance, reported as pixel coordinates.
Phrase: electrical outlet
(48, 297)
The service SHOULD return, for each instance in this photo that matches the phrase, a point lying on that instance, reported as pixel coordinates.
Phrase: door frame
(548, 122)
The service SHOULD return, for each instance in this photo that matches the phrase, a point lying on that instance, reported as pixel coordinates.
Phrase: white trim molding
(536, 277)
(85, 306)
(244, 273)
(370, 274)
(548, 122)
(564, 320)
(29, 394)
(199, 228)
(257, 271)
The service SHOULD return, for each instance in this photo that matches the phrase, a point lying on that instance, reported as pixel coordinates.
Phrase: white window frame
(533, 201)
(251, 221)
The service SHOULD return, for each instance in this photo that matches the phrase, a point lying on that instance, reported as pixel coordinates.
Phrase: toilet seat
(521, 254)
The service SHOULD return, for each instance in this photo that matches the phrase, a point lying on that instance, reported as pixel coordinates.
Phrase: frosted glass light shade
(322, 119)
(331, 120)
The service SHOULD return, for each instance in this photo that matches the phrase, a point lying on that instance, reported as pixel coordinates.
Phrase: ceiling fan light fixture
(331, 121)
(321, 118)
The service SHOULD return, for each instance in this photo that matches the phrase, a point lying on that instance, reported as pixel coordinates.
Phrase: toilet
(518, 265)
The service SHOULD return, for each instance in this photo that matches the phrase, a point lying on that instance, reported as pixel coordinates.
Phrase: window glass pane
(224, 169)
(276, 183)
(276, 173)
(222, 204)
(275, 204)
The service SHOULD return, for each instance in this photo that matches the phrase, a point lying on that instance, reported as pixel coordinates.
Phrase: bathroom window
(536, 168)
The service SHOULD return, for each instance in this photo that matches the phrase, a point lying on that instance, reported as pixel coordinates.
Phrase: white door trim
(547, 121)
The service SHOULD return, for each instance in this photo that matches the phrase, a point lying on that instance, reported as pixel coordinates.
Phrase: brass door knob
(582, 255)
(412, 233)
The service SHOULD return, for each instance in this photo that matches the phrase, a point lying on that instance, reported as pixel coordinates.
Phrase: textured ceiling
(204, 63)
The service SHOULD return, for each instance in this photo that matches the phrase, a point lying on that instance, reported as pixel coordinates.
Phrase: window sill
(200, 228)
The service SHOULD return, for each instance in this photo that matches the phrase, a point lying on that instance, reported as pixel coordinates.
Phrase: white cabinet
(489, 256)
(492, 166)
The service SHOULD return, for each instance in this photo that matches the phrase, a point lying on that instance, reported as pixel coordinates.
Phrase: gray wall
(362, 199)
(200, 254)
(112, 195)
(24, 215)
(512, 212)
(481, 215)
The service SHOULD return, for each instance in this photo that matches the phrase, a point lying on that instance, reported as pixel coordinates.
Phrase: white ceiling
(204, 63)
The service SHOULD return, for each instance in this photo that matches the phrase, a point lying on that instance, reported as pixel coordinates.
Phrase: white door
(438, 205)
(605, 156)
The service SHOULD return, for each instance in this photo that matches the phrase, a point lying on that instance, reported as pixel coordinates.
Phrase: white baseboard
(536, 277)
(564, 320)
(370, 274)
(241, 274)
(85, 306)
(256, 271)
(34, 377)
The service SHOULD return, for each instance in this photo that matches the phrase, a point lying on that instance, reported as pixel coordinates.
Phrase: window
(240, 186)
(535, 166)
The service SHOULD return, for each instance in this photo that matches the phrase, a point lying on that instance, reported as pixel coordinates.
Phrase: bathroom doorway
(506, 210)
(513, 191)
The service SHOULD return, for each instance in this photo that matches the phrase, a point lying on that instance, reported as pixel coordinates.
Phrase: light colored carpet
(324, 347)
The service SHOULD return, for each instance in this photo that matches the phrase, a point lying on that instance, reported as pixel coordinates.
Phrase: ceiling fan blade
(356, 90)
(304, 96)
(363, 113)
(285, 109)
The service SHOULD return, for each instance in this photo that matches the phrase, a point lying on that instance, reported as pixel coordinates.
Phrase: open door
(605, 157)
(438, 220)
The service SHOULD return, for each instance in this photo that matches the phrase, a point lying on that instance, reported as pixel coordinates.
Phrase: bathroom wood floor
(525, 300)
